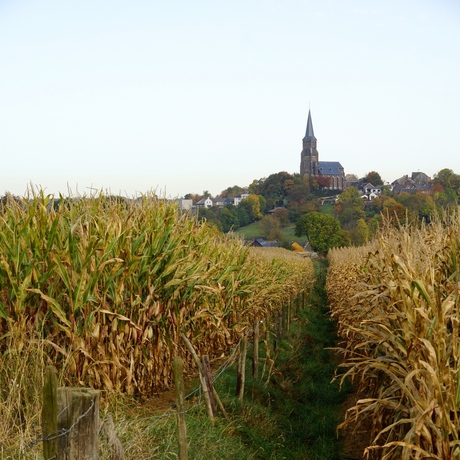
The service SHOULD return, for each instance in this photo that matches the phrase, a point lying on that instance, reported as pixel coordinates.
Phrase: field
(104, 288)
(396, 302)
(252, 231)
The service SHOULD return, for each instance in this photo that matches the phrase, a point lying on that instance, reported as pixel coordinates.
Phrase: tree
(231, 191)
(447, 178)
(210, 216)
(450, 181)
(273, 187)
(351, 178)
(419, 204)
(350, 206)
(323, 181)
(299, 193)
(193, 196)
(263, 204)
(245, 212)
(322, 230)
(255, 186)
(254, 202)
(269, 228)
(282, 214)
(243, 215)
(288, 184)
(297, 209)
(374, 178)
(395, 212)
(359, 234)
(229, 218)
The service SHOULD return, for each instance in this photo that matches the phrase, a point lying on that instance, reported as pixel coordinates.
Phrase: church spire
(309, 134)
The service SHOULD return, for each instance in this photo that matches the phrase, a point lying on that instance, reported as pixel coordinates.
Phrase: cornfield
(396, 303)
(103, 288)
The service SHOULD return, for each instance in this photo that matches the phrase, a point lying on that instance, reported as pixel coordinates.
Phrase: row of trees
(358, 219)
(232, 217)
(354, 219)
(296, 196)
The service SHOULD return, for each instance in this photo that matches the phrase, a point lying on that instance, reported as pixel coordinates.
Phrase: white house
(239, 198)
(204, 203)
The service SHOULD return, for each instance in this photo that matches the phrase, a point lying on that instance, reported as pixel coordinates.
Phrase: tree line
(350, 220)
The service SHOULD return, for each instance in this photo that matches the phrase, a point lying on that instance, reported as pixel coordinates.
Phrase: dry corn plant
(396, 303)
(21, 383)
(110, 285)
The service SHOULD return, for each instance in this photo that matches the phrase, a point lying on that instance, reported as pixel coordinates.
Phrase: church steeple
(309, 134)
(309, 156)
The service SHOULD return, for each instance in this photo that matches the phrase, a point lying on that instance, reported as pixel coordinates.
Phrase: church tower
(309, 155)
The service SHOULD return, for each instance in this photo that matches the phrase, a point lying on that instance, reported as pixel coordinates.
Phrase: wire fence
(172, 412)
(154, 419)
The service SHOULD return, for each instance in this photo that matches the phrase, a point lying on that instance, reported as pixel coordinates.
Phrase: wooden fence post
(241, 368)
(180, 404)
(206, 367)
(78, 423)
(50, 414)
(203, 382)
(255, 354)
(281, 323)
(291, 313)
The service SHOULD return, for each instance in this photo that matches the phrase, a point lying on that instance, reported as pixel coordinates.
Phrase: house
(204, 203)
(418, 182)
(261, 243)
(369, 188)
(218, 202)
(239, 198)
(420, 178)
(369, 192)
(184, 205)
(272, 211)
(310, 166)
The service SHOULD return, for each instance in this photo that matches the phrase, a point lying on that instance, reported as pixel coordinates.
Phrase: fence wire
(155, 419)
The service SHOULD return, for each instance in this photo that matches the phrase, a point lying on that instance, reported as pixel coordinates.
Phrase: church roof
(330, 168)
(309, 134)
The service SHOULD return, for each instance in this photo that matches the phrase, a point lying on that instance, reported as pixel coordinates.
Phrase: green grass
(251, 231)
(327, 209)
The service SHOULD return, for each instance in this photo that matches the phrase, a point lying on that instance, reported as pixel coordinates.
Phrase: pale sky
(182, 96)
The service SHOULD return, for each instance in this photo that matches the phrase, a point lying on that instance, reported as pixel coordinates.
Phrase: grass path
(295, 416)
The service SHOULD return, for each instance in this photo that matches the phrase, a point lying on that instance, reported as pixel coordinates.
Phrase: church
(310, 166)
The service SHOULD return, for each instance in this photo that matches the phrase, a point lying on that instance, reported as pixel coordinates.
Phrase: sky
(182, 96)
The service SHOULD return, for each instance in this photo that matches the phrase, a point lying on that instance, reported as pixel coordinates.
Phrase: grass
(251, 231)
(327, 209)
(295, 416)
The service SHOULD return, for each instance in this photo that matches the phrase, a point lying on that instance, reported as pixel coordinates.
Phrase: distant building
(204, 203)
(184, 205)
(262, 243)
(310, 166)
(418, 182)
